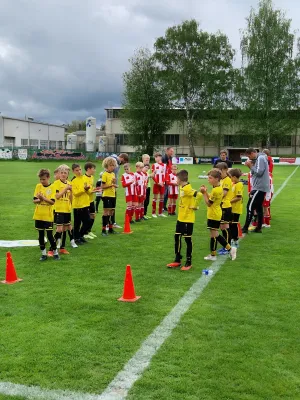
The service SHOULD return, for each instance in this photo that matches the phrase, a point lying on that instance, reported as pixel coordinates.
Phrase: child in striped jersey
(171, 181)
(128, 182)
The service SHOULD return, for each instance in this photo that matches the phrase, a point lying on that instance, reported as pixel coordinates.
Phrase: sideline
(135, 367)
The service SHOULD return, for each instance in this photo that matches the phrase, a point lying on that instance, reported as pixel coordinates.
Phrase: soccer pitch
(63, 329)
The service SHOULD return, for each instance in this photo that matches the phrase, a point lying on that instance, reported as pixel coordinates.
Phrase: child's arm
(203, 190)
(43, 198)
(77, 189)
(61, 193)
(236, 199)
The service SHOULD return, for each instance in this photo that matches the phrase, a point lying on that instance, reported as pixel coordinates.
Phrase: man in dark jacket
(223, 158)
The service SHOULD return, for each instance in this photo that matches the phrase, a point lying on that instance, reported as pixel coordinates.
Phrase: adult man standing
(223, 158)
(121, 159)
(167, 159)
(258, 165)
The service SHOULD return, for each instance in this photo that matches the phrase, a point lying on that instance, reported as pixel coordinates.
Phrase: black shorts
(184, 228)
(62, 218)
(92, 208)
(212, 224)
(226, 215)
(43, 225)
(109, 202)
(235, 218)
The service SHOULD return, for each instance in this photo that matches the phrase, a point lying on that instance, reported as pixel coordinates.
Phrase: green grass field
(62, 327)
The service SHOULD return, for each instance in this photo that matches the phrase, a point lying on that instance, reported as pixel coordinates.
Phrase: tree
(146, 112)
(270, 85)
(76, 125)
(197, 69)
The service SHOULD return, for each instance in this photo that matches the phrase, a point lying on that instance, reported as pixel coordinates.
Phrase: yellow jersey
(44, 211)
(214, 212)
(63, 204)
(81, 197)
(90, 180)
(226, 184)
(188, 201)
(238, 190)
(107, 179)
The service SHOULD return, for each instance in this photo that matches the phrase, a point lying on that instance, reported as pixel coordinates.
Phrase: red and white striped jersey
(146, 178)
(128, 182)
(271, 192)
(159, 170)
(172, 182)
(140, 183)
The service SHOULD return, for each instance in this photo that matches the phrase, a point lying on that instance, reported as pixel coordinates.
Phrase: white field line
(135, 367)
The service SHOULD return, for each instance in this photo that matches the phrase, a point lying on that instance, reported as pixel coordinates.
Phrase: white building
(16, 132)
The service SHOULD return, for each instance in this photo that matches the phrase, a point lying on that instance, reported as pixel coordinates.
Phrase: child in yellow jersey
(44, 198)
(226, 204)
(189, 199)
(214, 215)
(237, 204)
(63, 207)
(81, 201)
(90, 170)
(108, 194)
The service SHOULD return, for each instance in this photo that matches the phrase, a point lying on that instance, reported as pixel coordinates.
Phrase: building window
(121, 139)
(172, 140)
(282, 141)
(112, 113)
(109, 114)
(34, 143)
(24, 142)
(52, 144)
(43, 144)
(239, 141)
(60, 145)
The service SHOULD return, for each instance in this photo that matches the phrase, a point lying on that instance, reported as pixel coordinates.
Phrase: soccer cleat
(43, 258)
(50, 253)
(137, 220)
(115, 225)
(186, 267)
(112, 232)
(63, 251)
(233, 251)
(266, 226)
(82, 240)
(223, 252)
(78, 242)
(73, 244)
(210, 258)
(235, 243)
(56, 257)
(154, 216)
(162, 215)
(93, 235)
(257, 230)
(103, 233)
(251, 228)
(88, 236)
(132, 221)
(174, 264)
(58, 243)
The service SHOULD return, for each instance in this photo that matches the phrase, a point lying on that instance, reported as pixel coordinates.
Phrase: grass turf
(62, 327)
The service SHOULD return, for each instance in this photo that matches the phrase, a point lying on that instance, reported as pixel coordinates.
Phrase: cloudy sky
(63, 59)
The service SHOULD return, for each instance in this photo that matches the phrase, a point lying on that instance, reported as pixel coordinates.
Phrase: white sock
(44, 252)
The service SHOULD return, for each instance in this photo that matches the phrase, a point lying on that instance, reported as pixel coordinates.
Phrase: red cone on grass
(11, 275)
(127, 228)
(240, 230)
(129, 292)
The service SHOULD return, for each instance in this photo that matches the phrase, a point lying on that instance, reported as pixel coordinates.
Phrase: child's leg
(137, 211)
(146, 203)
(42, 242)
(170, 204)
(213, 242)
(128, 209)
(178, 237)
(92, 212)
(154, 201)
(85, 218)
(64, 237)
(52, 241)
(161, 204)
(189, 249)
(142, 209)
(234, 231)
(98, 198)
(226, 232)
(105, 219)
(77, 222)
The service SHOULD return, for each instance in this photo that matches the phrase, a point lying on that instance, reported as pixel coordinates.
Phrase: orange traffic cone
(127, 228)
(129, 293)
(11, 276)
(240, 230)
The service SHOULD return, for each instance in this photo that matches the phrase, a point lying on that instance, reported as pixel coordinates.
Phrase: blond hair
(145, 156)
(109, 161)
(63, 167)
(139, 164)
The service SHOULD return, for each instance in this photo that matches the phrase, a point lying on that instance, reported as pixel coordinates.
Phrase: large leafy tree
(76, 125)
(197, 69)
(269, 90)
(146, 112)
